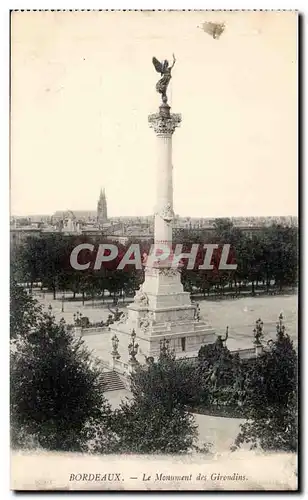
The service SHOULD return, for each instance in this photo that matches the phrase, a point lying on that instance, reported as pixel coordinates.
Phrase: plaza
(240, 315)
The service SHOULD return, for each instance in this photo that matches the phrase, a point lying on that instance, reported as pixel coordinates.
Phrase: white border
(4, 249)
(6, 5)
(158, 4)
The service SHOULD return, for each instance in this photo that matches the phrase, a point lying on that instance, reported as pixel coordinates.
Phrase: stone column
(164, 124)
(161, 308)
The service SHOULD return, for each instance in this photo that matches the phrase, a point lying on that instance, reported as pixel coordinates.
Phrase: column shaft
(164, 189)
(164, 124)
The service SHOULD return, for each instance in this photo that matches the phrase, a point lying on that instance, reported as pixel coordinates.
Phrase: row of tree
(267, 259)
(47, 260)
(58, 402)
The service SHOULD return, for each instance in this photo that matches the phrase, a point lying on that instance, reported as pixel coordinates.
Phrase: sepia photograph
(154, 260)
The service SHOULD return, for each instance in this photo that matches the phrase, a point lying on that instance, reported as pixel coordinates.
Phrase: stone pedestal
(161, 309)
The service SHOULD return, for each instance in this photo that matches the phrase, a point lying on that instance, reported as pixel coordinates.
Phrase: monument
(161, 310)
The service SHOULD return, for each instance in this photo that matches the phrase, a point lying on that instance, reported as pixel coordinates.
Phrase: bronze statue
(165, 70)
(212, 376)
(219, 342)
(116, 314)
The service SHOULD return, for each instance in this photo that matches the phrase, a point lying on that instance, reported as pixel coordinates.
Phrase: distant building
(102, 216)
(81, 215)
(70, 224)
(126, 228)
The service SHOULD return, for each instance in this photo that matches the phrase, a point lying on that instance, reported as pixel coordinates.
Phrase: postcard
(154, 250)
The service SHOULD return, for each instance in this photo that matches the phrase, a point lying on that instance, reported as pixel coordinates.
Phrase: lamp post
(164, 347)
(77, 318)
(258, 335)
(133, 348)
(197, 312)
(62, 302)
(115, 353)
(280, 326)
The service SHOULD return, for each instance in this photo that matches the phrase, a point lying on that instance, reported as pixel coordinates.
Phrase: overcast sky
(83, 84)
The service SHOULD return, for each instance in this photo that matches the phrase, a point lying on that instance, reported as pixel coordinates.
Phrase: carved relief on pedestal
(151, 271)
(144, 324)
(186, 315)
(170, 272)
(123, 318)
(141, 298)
(146, 321)
(167, 213)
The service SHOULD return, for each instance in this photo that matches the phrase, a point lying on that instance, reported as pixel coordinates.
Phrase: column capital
(164, 123)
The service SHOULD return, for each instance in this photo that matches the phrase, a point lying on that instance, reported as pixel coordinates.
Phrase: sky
(83, 84)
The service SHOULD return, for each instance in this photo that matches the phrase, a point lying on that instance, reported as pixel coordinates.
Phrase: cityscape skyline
(102, 200)
(94, 212)
(102, 206)
(228, 216)
(85, 114)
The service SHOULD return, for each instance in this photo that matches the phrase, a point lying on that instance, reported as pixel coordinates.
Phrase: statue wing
(157, 65)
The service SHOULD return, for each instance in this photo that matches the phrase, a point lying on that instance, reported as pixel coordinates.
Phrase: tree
(223, 227)
(157, 420)
(271, 254)
(216, 368)
(24, 311)
(284, 255)
(168, 381)
(145, 428)
(26, 261)
(270, 397)
(56, 395)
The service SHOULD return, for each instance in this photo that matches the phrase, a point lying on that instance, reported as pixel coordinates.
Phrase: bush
(157, 420)
(56, 395)
(271, 399)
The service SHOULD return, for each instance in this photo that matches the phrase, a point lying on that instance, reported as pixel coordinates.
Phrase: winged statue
(165, 70)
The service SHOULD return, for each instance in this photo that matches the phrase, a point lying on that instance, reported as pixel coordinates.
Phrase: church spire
(102, 207)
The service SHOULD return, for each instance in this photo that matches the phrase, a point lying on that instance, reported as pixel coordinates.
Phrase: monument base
(161, 310)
